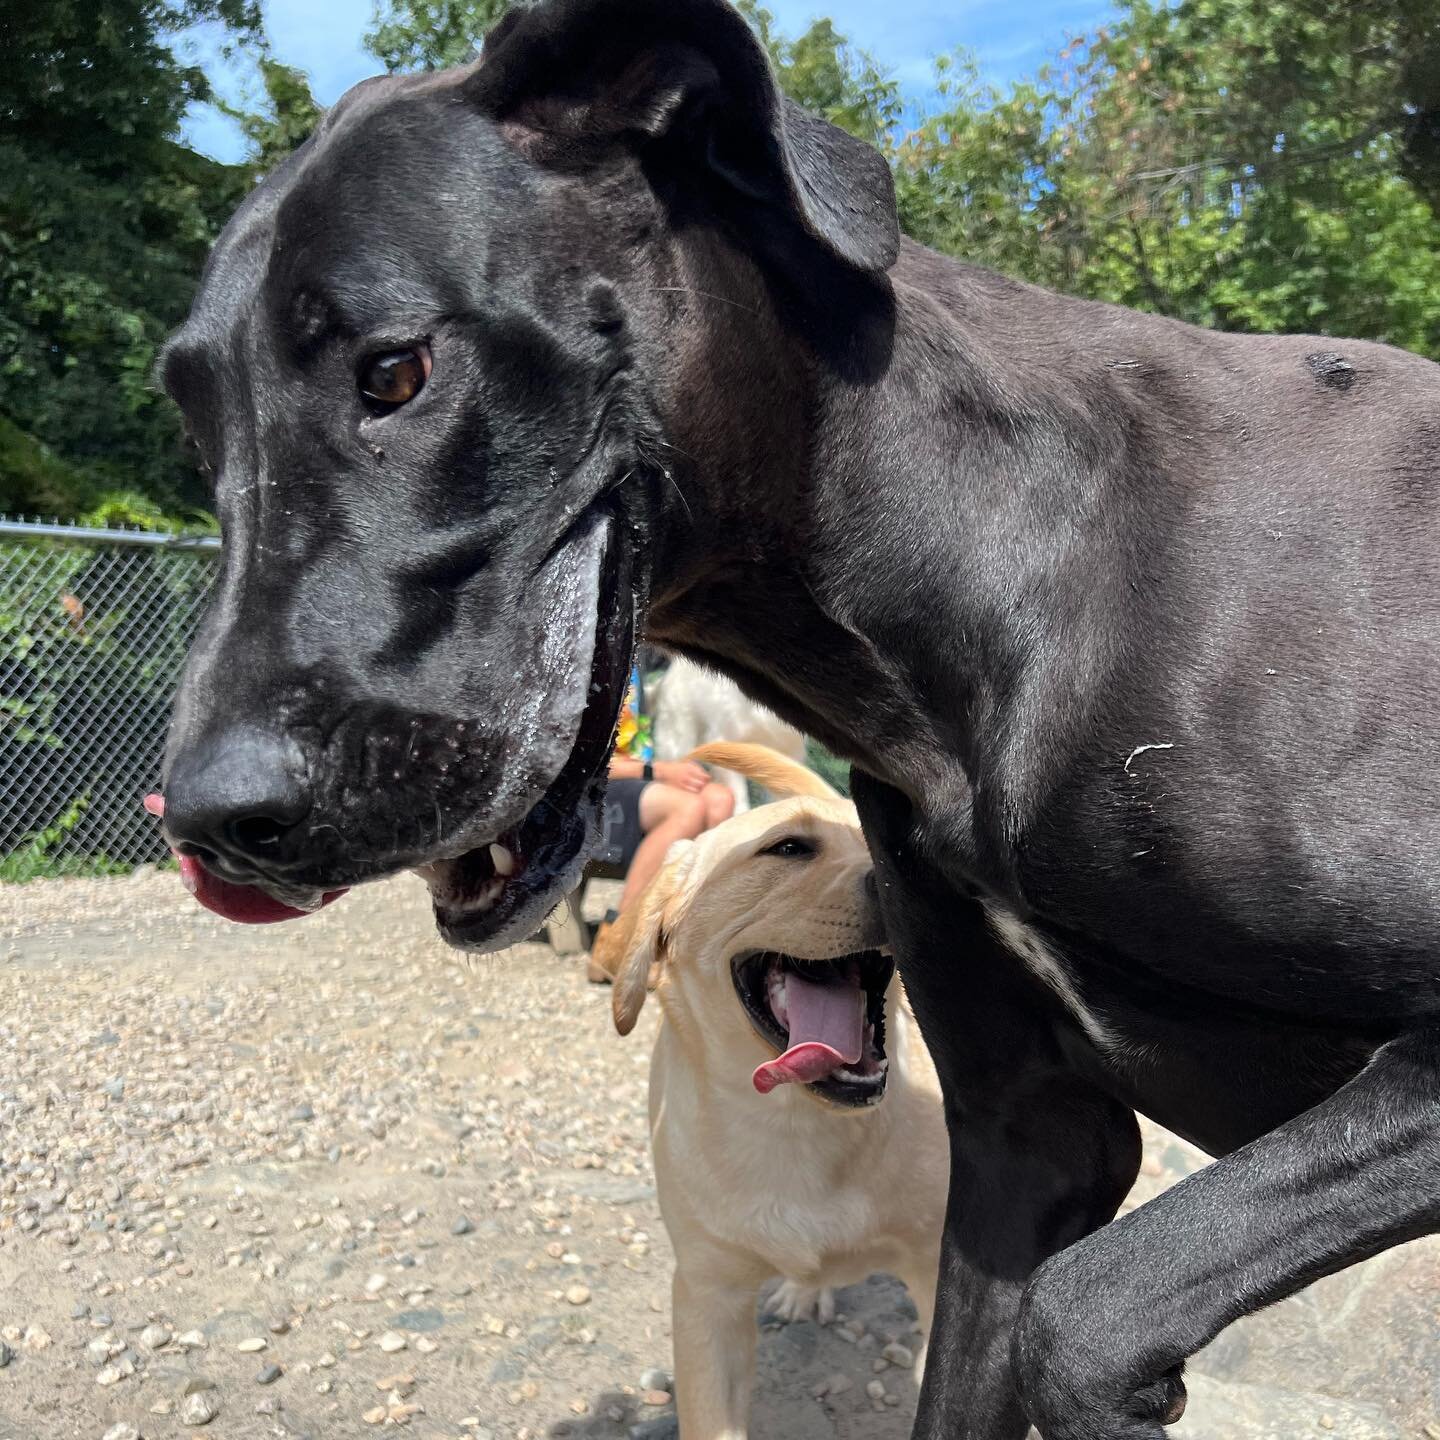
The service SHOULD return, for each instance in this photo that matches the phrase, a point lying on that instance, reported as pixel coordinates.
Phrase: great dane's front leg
(1347, 1179)
(1038, 1156)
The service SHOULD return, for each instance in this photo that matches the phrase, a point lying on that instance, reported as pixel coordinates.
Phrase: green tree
(1233, 163)
(290, 114)
(429, 34)
(820, 70)
(104, 223)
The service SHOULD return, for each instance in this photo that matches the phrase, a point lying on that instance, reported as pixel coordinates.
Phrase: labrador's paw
(790, 1301)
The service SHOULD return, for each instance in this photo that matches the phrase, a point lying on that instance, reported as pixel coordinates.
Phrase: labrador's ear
(644, 936)
(687, 77)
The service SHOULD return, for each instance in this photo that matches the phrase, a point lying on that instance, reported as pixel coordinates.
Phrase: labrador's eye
(790, 848)
(390, 380)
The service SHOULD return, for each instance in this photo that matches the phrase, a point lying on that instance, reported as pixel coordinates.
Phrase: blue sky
(1009, 38)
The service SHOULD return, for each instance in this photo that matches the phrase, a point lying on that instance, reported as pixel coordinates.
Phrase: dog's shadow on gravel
(813, 1382)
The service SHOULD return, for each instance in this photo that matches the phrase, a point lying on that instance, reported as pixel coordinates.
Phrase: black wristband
(648, 771)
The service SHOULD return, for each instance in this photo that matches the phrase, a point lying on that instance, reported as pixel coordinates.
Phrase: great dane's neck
(816, 526)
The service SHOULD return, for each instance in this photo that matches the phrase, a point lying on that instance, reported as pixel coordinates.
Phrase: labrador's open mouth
(824, 1018)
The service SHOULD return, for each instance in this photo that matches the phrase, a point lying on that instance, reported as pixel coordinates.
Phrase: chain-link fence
(94, 626)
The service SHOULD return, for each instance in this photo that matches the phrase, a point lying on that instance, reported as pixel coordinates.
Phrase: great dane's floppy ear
(644, 936)
(688, 73)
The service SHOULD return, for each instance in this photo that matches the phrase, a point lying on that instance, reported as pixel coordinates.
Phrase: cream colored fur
(753, 1187)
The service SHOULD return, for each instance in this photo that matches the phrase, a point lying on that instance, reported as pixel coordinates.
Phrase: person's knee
(691, 815)
(719, 803)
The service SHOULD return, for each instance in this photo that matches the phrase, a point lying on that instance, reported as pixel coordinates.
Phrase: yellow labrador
(795, 1115)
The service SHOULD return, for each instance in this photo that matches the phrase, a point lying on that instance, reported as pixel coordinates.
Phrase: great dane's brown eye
(391, 379)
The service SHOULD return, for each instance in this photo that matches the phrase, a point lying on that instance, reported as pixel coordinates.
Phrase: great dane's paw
(791, 1301)
(1079, 1376)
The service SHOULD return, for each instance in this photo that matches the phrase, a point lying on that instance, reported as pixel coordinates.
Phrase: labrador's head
(764, 939)
(438, 367)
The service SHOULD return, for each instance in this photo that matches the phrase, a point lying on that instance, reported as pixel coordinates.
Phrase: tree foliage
(104, 222)
(290, 114)
(1239, 164)
(429, 34)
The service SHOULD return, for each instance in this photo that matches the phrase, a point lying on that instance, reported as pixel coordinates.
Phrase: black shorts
(620, 828)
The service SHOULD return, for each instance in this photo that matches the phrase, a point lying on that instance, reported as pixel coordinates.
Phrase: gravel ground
(326, 1177)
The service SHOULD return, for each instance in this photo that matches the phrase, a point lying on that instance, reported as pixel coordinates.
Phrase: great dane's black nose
(237, 798)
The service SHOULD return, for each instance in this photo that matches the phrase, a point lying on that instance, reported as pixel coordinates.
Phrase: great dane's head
(439, 366)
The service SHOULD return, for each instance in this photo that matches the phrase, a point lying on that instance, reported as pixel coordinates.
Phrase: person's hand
(683, 774)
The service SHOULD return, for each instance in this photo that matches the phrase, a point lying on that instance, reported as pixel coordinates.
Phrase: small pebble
(654, 1397)
(462, 1226)
(253, 1345)
(578, 1294)
(192, 1340)
(152, 1337)
(875, 1389)
(898, 1354)
(122, 1431)
(268, 1374)
(199, 1408)
(391, 1341)
(654, 1380)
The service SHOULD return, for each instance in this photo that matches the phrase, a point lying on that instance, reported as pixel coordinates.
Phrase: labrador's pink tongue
(247, 904)
(827, 1029)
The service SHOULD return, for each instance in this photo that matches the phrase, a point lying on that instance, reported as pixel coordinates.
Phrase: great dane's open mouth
(496, 879)
(513, 880)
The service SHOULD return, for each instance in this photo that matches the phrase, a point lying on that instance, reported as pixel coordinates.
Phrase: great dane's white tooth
(502, 860)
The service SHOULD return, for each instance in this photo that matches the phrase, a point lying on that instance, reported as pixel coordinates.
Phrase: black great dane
(1131, 631)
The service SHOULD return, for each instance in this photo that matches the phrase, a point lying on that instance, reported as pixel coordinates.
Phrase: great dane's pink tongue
(827, 1030)
(247, 904)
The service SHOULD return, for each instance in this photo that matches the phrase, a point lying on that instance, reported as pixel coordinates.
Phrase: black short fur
(1131, 630)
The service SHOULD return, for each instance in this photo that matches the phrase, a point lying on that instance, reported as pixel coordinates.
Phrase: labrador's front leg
(1038, 1156)
(715, 1340)
(1103, 1323)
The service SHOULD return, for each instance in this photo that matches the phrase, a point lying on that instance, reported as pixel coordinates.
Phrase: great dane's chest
(1045, 960)
(1217, 1073)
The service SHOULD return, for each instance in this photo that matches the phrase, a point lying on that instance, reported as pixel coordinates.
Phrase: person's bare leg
(719, 804)
(667, 814)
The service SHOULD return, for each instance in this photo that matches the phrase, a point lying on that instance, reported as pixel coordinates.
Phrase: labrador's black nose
(236, 798)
